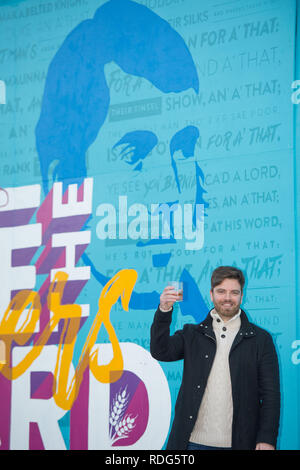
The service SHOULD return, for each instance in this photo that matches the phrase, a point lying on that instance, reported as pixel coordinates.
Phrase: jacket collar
(246, 328)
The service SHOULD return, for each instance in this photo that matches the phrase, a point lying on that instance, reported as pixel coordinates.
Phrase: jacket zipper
(211, 337)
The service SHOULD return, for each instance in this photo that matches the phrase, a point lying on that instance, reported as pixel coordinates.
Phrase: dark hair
(227, 272)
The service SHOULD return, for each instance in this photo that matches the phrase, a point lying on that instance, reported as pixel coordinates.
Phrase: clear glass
(178, 286)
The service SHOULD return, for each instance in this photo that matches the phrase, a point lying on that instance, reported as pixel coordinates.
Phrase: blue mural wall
(109, 111)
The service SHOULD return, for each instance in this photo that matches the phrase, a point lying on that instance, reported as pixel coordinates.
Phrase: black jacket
(254, 378)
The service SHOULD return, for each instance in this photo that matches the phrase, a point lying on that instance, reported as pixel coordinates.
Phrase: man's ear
(211, 296)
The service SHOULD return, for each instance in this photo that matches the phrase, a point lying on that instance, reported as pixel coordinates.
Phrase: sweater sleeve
(164, 347)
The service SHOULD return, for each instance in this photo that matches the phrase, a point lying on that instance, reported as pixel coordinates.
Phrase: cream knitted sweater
(214, 421)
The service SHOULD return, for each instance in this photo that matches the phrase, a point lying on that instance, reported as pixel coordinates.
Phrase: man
(230, 395)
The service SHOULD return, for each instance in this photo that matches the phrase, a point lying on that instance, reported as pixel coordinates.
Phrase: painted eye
(185, 140)
(135, 146)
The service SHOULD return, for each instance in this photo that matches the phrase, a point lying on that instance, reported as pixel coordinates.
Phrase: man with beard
(230, 393)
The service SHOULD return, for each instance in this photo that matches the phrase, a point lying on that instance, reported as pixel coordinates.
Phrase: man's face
(227, 298)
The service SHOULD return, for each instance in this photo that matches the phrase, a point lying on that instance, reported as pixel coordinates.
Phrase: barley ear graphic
(121, 425)
(124, 427)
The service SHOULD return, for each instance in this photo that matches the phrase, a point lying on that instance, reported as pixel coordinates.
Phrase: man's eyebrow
(221, 289)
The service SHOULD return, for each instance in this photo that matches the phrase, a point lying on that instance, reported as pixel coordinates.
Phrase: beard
(227, 309)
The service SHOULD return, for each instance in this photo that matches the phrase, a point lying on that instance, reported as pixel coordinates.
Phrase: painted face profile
(77, 98)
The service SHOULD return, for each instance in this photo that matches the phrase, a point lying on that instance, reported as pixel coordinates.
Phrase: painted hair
(76, 96)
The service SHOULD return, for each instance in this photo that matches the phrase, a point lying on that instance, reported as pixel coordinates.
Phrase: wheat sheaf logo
(121, 426)
(129, 410)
